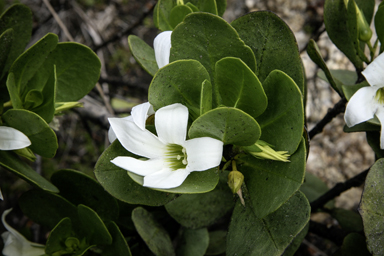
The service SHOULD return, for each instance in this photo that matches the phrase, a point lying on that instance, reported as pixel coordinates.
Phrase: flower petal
(111, 133)
(362, 106)
(11, 139)
(135, 140)
(166, 178)
(140, 167)
(171, 123)
(374, 71)
(140, 114)
(203, 153)
(162, 47)
(380, 116)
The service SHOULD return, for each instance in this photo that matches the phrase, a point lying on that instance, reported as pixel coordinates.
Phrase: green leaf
(13, 163)
(340, 76)
(372, 209)
(119, 245)
(219, 40)
(367, 7)
(221, 7)
(143, 54)
(294, 246)
(370, 125)
(192, 6)
(178, 14)
(196, 182)
(161, 14)
(117, 182)
(315, 55)
(230, 125)
(79, 188)
(14, 92)
(201, 210)
(239, 87)
(19, 18)
(6, 40)
(205, 97)
(34, 98)
(373, 138)
(349, 221)
(271, 183)
(379, 20)
(270, 235)
(354, 244)
(95, 229)
(43, 138)
(47, 209)
(153, 234)
(178, 82)
(217, 242)
(26, 66)
(342, 30)
(208, 6)
(273, 44)
(78, 70)
(282, 123)
(194, 242)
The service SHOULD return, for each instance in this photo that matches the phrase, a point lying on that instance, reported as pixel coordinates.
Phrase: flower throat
(176, 156)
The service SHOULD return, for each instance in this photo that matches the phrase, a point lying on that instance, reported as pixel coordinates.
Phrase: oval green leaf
(143, 54)
(273, 44)
(271, 235)
(178, 14)
(194, 242)
(230, 125)
(239, 87)
(43, 138)
(119, 245)
(271, 183)
(117, 182)
(282, 123)
(161, 14)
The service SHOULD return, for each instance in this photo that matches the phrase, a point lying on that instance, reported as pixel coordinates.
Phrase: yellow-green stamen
(380, 95)
(176, 157)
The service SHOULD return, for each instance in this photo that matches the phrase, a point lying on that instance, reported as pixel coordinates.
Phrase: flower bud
(363, 29)
(235, 180)
(263, 150)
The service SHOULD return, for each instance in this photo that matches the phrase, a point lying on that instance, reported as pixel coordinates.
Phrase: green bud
(235, 180)
(363, 29)
(27, 153)
(61, 106)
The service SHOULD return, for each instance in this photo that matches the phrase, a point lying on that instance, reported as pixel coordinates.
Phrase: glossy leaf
(153, 234)
(79, 188)
(19, 18)
(342, 32)
(194, 242)
(282, 123)
(117, 182)
(270, 235)
(230, 125)
(239, 87)
(202, 210)
(271, 183)
(43, 138)
(13, 163)
(93, 226)
(178, 82)
(119, 245)
(47, 209)
(143, 54)
(372, 210)
(273, 44)
(219, 40)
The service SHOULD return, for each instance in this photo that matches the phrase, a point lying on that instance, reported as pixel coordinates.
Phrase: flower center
(176, 157)
(380, 95)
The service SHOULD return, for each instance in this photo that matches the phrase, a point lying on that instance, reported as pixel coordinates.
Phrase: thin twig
(339, 188)
(332, 113)
(127, 31)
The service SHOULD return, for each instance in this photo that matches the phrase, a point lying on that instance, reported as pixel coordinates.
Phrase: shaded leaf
(194, 242)
(217, 242)
(119, 245)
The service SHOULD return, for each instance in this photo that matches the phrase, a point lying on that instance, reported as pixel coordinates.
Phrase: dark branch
(339, 188)
(127, 31)
(332, 113)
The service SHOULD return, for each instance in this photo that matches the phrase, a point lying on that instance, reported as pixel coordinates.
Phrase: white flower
(369, 101)
(162, 47)
(139, 115)
(16, 244)
(170, 156)
(12, 139)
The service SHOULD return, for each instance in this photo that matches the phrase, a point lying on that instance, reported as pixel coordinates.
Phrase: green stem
(7, 104)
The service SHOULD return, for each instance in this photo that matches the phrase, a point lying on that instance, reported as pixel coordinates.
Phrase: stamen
(176, 156)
